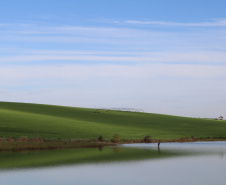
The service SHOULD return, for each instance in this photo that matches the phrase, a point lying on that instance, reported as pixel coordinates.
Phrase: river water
(201, 163)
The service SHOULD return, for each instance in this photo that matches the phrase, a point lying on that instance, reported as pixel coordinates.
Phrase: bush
(147, 139)
(100, 138)
(116, 138)
(24, 138)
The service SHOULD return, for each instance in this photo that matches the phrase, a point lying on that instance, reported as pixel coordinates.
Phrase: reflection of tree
(100, 148)
(116, 149)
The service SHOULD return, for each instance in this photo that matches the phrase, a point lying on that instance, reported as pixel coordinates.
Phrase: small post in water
(159, 144)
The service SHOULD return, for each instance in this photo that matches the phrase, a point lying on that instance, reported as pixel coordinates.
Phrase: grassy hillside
(48, 121)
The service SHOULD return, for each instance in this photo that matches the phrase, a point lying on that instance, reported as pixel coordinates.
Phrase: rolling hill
(50, 121)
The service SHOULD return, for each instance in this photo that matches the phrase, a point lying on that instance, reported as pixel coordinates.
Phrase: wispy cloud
(114, 38)
(214, 23)
(201, 57)
(34, 29)
(77, 73)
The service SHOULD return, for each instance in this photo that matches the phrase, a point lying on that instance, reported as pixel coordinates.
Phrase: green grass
(48, 121)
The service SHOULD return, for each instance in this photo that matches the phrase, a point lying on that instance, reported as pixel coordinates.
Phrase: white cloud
(76, 73)
(143, 57)
(32, 29)
(216, 23)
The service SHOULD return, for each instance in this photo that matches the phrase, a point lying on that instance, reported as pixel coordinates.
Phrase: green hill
(48, 121)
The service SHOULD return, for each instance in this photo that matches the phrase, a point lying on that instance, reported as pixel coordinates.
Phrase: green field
(48, 121)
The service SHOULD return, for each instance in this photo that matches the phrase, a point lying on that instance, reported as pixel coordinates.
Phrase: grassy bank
(47, 121)
(10, 144)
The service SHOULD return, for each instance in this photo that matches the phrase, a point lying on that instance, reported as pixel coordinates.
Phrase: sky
(159, 56)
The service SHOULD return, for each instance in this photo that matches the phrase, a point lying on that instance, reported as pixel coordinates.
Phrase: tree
(116, 138)
(100, 138)
(147, 139)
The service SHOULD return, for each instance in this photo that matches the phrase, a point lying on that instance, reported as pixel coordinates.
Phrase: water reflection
(175, 163)
(31, 159)
(191, 149)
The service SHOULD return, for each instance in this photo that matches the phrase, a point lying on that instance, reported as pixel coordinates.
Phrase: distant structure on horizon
(122, 109)
(219, 118)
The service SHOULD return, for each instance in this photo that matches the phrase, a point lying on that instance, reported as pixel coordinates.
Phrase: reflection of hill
(27, 159)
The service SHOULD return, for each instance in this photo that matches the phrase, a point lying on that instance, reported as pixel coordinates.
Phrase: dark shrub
(100, 138)
(147, 139)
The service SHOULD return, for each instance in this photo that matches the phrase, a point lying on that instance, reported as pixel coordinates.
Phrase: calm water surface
(201, 163)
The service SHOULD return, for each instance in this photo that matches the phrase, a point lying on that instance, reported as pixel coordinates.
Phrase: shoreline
(49, 145)
(25, 144)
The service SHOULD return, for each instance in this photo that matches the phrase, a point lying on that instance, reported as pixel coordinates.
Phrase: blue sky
(160, 56)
